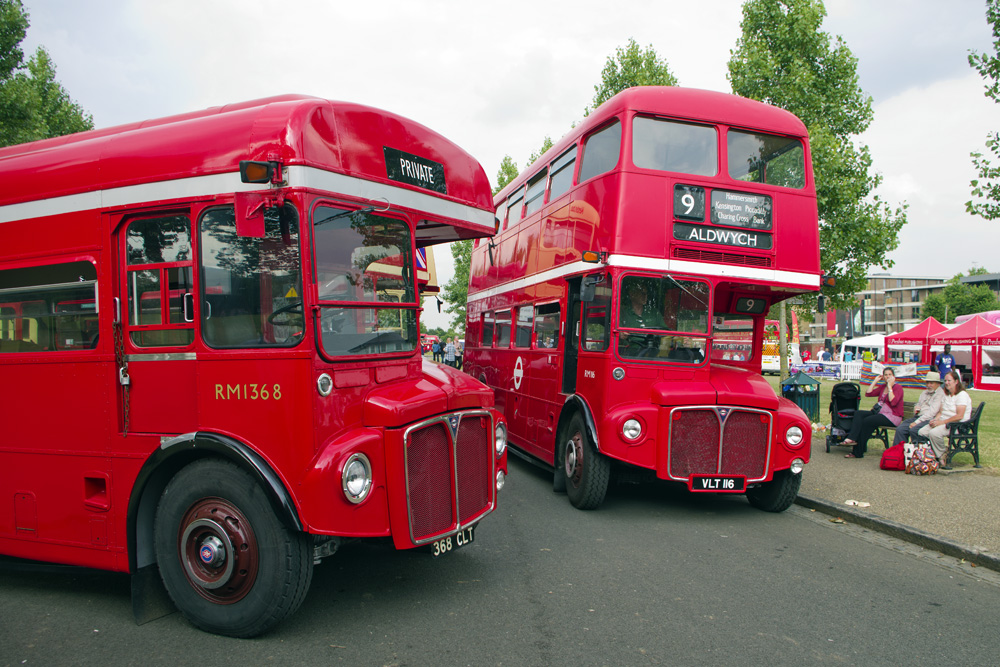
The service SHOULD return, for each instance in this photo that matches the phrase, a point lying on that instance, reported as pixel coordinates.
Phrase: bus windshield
(663, 318)
(364, 274)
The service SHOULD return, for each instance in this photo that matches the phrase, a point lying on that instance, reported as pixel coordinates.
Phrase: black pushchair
(845, 397)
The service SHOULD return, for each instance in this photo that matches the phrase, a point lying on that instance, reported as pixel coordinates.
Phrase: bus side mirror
(588, 288)
(821, 304)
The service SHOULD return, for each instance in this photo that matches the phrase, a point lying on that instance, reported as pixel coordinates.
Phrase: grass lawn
(989, 423)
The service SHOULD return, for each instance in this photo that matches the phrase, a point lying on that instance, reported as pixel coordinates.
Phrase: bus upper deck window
(766, 158)
(601, 151)
(562, 173)
(667, 145)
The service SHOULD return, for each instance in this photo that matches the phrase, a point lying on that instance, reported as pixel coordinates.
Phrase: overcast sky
(498, 78)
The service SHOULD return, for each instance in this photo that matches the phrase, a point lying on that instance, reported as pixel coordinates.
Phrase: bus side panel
(264, 401)
(54, 471)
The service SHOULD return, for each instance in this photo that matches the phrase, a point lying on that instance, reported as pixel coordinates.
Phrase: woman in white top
(957, 407)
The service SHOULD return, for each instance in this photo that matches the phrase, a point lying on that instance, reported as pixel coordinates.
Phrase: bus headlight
(632, 429)
(501, 479)
(500, 433)
(797, 466)
(357, 478)
(793, 436)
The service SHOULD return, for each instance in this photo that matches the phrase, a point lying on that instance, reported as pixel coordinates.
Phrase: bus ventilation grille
(725, 257)
(448, 478)
(702, 443)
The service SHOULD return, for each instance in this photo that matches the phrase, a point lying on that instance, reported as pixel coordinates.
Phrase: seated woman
(956, 407)
(889, 413)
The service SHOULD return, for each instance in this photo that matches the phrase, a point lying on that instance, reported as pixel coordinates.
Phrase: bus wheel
(586, 470)
(229, 563)
(776, 495)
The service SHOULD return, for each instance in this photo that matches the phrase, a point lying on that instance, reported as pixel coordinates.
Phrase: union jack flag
(422, 258)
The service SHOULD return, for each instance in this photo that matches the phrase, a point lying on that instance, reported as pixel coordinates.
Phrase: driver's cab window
(251, 288)
(365, 282)
(596, 321)
(732, 337)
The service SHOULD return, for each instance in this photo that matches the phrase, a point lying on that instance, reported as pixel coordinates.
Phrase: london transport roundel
(518, 373)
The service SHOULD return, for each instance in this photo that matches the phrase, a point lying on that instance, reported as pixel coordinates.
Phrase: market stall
(912, 340)
(975, 344)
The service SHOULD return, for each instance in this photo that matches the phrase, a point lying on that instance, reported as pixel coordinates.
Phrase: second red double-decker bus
(210, 356)
(619, 312)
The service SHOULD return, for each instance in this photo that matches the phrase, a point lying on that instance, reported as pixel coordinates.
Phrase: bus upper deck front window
(766, 158)
(364, 275)
(663, 319)
(668, 145)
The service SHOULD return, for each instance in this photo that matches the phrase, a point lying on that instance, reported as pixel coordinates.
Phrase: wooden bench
(882, 433)
(964, 437)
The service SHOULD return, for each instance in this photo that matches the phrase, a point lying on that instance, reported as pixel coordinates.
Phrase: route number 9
(688, 201)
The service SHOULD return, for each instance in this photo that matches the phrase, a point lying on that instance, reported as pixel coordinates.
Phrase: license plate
(718, 483)
(460, 539)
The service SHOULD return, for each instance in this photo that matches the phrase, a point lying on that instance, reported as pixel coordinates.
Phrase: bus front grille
(449, 483)
(718, 441)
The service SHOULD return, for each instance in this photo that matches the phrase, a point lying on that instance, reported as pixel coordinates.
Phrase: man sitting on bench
(928, 405)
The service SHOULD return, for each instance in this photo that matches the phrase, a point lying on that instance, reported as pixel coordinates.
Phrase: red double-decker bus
(210, 355)
(619, 312)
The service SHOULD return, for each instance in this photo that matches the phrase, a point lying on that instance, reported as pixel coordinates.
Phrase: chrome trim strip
(722, 429)
(164, 356)
(443, 419)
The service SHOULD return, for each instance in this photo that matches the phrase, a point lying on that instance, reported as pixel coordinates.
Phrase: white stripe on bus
(795, 279)
(221, 184)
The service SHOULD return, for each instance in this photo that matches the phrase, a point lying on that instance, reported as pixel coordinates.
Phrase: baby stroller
(845, 397)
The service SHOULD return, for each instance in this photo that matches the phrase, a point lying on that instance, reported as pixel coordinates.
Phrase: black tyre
(587, 471)
(778, 494)
(229, 563)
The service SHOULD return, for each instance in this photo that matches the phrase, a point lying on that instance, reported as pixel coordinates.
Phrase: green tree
(630, 67)
(960, 298)
(986, 188)
(456, 290)
(784, 59)
(33, 105)
(506, 173)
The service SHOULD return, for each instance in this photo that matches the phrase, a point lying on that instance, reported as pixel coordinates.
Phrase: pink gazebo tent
(974, 334)
(917, 335)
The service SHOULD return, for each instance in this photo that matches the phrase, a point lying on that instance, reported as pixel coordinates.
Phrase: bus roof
(340, 137)
(705, 106)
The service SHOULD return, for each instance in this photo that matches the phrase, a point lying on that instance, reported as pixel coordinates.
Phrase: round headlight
(500, 433)
(793, 436)
(324, 384)
(797, 466)
(632, 429)
(501, 479)
(357, 478)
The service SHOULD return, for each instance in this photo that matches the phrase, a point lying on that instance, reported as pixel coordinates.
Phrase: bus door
(154, 330)
(545, 378)
(571, 335)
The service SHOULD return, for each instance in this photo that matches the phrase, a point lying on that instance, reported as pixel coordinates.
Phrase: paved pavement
(956, 512)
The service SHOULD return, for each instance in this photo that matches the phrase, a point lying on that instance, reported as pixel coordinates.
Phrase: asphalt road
(655, 576)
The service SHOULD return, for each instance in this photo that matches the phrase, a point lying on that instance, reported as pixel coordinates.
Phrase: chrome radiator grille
(719, 441)
(449, 478)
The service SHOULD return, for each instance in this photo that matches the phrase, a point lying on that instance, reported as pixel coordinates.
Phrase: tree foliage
(960, 298)
(456, 291)
(783, 58)
(630, 67)
(986, 188)
(33, 105)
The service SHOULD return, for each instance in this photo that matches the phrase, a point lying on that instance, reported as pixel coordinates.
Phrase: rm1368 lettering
(248, 392)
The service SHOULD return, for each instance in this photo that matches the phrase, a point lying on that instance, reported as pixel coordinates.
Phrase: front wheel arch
(169, 459)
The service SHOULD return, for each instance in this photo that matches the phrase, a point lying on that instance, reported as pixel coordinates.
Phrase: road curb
(901, 531)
